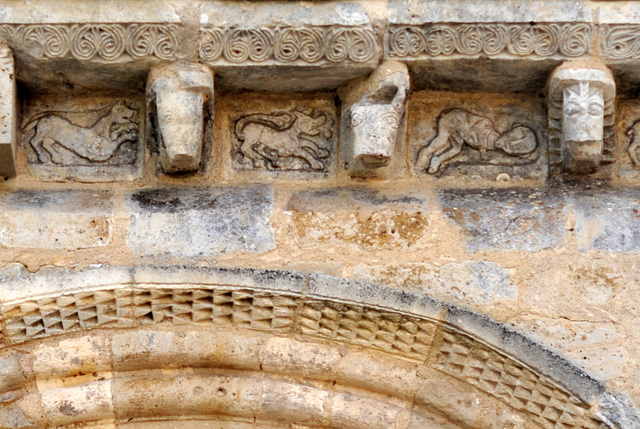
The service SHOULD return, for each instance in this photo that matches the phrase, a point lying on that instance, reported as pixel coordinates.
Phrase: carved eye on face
(595, 109)
(357, 119)
(572, 109)
(390, 119)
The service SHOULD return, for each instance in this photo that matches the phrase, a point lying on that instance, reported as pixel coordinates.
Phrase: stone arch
(192, 347)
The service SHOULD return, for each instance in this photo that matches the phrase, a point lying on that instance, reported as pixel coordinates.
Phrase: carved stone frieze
(284, 137)
(515, 40)
(85, 138)
(478, 138)
(93, 42)
(287, 45)
(620, 42)
(458, 127)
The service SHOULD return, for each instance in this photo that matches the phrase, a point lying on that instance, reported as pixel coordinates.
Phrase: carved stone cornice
(93, 42)
(558, 40)
(620, 42)
(288, 45)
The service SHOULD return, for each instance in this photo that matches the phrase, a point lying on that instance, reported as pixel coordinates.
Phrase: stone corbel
(180, 94)
(372, 111)
(581, 115)
(8, 113)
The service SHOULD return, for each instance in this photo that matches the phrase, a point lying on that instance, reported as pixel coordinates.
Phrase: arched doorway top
(469, 347)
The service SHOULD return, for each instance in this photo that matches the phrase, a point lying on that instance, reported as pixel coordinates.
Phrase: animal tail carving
(278, 121)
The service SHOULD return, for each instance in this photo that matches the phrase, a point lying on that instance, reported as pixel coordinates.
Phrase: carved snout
(180, 94)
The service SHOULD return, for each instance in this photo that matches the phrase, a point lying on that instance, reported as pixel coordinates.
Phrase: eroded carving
(634, 143)
(58, 138)
(581, 115)
(288, 45)
(458, 127)
(89, 42)
(372, 111)
(180, 94)
(296, 140)
(544, 40)
(620, 42)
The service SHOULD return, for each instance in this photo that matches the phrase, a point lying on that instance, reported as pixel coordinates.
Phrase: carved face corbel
(581, 116)
(180, 94)
(372, 112)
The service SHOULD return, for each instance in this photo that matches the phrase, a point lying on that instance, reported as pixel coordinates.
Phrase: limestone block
(581, 116)
(8, 113)
(478, 136)
(200, 222)
(181, 95)
(86, 138)
(467, 283)
(373, 110)
(608, 220)
(501, 219)
(358, 216)
(88, 402)
(65, 219)
(11, 378)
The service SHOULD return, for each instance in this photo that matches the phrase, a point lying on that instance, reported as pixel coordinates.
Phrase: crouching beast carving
(285, 141)
(97, 143)
(457, 127)
(634, 144)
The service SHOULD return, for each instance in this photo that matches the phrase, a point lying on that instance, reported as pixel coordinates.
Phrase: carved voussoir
(372, 111)
(581, 116)
(8, 115)
(180, 94)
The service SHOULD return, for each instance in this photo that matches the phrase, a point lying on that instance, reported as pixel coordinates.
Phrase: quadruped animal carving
(97, 143)
(634, 144)
(457, 127)
(271, 141)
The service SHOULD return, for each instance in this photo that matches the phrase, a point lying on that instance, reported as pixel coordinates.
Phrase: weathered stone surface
(91, 138)
(281, 136)
(11, 377)
(476, 136)
(182, 97)
(200, 222)
(61, 219)
(474, 283)
(373, 111)
(358, 216)
(8, 113)
(608, 220)
(502, 219)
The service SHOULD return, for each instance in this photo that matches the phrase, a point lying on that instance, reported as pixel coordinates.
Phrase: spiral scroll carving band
(545, 40)
(288, 45)
(620, 42)
(91, 42)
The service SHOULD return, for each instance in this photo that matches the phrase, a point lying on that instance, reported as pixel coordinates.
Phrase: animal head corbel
(372, 112)
(180, 94)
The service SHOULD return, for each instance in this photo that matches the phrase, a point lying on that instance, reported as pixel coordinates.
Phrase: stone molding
(287, 45)
(462, 344)
(559, 40)
(94, 42)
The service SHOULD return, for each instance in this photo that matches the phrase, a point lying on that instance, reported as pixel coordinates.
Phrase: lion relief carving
(298, 140)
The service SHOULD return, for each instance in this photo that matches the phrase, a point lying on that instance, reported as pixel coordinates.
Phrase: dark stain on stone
(67, 408)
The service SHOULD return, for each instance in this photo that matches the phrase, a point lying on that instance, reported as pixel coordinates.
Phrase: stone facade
(371, 214)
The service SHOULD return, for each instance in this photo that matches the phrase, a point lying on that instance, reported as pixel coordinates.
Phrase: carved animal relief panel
(492, 138)
(84, 138)
(298, 137)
